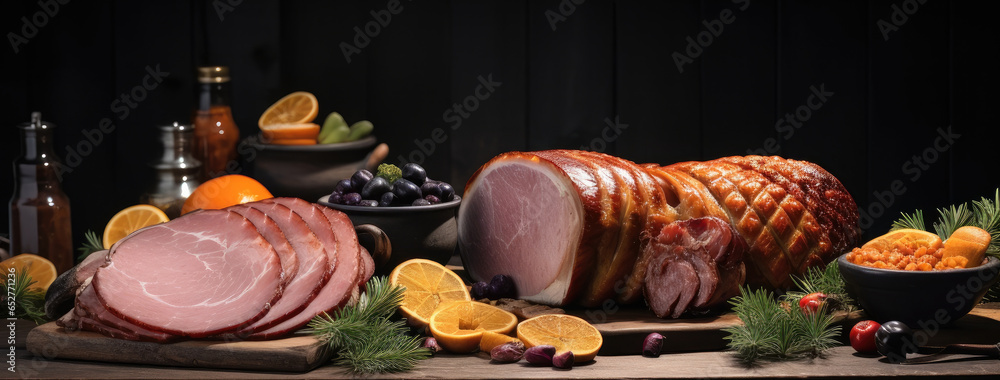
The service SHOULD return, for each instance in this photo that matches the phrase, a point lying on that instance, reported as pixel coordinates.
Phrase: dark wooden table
(841, 362)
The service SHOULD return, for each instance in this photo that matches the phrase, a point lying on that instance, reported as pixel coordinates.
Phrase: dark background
(560, 78)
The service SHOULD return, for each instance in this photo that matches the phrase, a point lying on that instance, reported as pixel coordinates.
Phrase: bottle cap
(213, 74)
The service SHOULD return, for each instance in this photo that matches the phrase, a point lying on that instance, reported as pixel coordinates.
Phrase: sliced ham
(693, 266)
(336, 232)
(315, 265)
(95, 314)
(62, 292)
(206, 273)
(275, 235)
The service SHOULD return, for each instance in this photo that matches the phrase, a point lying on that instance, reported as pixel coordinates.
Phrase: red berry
(812, 302)
(863, 336)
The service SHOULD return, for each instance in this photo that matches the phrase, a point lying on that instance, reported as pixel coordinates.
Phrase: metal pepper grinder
(177, 171)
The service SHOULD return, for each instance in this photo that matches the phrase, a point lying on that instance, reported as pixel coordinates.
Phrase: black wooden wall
(651, 81)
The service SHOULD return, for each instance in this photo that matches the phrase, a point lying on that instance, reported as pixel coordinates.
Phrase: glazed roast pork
(254, 271)
(582, 227)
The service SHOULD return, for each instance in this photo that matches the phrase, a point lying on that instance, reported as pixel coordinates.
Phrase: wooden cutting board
(295, 354)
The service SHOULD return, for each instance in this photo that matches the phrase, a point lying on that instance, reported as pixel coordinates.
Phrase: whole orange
(225, 191)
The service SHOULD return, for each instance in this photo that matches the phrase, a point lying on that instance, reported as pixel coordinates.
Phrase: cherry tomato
(863, 336)
(812, 302)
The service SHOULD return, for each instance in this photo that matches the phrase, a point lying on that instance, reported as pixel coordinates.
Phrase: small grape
(368, 203)
(352, 199)
(414, 173)
(503, 286)
(336, 198)
(421, 202)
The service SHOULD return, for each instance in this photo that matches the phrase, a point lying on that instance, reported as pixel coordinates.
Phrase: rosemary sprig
(827, 281)
(28, 303)
(365, 340)
(987, 213)
(92, 244)
(953, 217)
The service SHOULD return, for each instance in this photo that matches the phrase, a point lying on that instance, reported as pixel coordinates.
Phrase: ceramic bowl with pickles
(415, 213)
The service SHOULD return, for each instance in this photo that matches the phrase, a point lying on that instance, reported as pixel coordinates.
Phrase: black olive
(405, 190)
(894, 340)
(430, 187)
(359, 179)
(414, 173)
(368, 203)
(420, 202)
(375, 188)
(447, 192)
(434, 200)
(480, 290)
(503, 287)
(387, 199)
(352, 199)
(344, 186)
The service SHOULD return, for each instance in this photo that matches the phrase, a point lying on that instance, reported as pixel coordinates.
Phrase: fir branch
(365, 339)
(816, 330)
(951, 218)
(987, 213)
(914, 221)
(92, 244)
(29, 303)
(827, 281)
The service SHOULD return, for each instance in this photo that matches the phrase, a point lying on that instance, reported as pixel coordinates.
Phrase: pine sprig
(951, 218)
(365, 340)
(92, 244)
(988, 218)
(28, 303)
(777, 329)
(913, 221)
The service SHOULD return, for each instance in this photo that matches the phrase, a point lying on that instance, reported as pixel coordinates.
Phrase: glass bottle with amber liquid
(39, 209)
(215, 131)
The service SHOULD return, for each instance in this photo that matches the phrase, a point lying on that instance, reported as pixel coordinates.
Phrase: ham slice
(336, 232)
(62, 292)
(274, 235)
(95, 315)
(203, 274)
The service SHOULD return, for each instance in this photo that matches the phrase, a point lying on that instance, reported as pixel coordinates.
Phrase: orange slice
(491, 339)
(459, 326)
(294, 108)
(39, 269)
(428, 285)
(293, 142)
(300, 131)
(565, 332)
(906, 237)
(129, 220)
(968, 242)
(224, 191)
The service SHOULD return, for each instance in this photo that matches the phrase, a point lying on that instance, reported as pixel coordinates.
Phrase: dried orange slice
(131, 219)
(224, 191)
(39, 269)
(564, 332)
(968, 242)
(459, 326)
(294, 108)
(428, 285)
(298, 131)
(491, 339)
(906, 237)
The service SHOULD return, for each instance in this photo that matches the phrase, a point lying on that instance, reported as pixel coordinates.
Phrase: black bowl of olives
(416, 213)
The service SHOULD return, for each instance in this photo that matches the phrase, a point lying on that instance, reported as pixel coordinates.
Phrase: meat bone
(933, 353)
